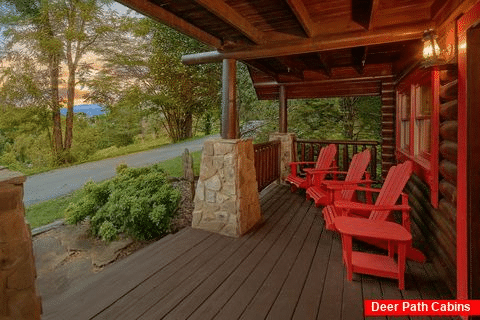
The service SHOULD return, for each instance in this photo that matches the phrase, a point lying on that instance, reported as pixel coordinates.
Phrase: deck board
(287, 299)
(289, 267)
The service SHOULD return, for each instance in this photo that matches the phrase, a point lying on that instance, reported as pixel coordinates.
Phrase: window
(418, 124)
(403, 99)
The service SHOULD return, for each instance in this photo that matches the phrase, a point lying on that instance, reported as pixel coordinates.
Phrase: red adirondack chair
(324, 161)
(390, 192)
(326, 191)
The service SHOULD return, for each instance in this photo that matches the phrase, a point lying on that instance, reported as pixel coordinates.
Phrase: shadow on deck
(288, 268)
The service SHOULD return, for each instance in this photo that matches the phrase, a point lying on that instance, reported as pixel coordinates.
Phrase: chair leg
(401, 265)
(347, 251)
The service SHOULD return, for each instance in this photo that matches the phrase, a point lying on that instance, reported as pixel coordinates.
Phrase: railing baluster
(267, 164)
(344, 166)
(374, 163)
(344, 154)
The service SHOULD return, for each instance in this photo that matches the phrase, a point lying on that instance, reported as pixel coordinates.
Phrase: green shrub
(138, 201)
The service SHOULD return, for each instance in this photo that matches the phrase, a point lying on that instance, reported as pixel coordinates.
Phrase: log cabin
(419, 56)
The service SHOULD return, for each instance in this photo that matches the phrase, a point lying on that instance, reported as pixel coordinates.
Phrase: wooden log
(448, 75)
(449, 110)
(449, 149)
(436, 225)
(418, 187)
(449, 171)
(449, 210)
(448, 191)
(449, 130)
(449, 91)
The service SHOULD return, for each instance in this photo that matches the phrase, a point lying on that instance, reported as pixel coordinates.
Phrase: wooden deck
(288, 268)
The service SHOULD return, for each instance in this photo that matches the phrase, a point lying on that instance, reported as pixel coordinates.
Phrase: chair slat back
(396, 180)
(326, 157)
(324, 161)
(357, 168)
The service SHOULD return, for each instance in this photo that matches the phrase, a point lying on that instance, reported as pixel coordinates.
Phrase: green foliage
(49, 211)
(146, 73)
(138, 201)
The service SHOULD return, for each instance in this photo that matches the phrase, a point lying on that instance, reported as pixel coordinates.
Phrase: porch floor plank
(289, 267)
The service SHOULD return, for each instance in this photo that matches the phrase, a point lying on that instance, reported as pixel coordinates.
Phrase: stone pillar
(286, 151)
(226, 199)
(18, 298)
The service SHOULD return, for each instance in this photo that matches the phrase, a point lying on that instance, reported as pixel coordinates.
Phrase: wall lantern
(431, 50)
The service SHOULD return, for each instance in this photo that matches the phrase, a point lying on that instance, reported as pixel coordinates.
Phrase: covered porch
(289, 267)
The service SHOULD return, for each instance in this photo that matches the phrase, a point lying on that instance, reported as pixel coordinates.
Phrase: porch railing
(267, 163)
(307, 150)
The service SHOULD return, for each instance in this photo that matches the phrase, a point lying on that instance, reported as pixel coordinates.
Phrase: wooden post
(282, 125)
(188, 171)
(229, 103)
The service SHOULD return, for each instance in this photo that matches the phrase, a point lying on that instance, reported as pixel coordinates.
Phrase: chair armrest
(320, 171)
(341, 184)
(369, 207)
(293, 166)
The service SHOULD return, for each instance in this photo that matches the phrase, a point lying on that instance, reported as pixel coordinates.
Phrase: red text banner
(422, 307)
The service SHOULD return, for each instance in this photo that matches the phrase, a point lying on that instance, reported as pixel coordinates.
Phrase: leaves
(138, 201)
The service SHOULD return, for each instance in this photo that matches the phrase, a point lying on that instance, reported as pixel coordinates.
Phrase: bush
(138, 201)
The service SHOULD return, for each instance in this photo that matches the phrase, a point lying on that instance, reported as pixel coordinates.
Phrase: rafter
(233, 18)
(158, 13)
(359, 56)
(255, 64)
(293, 67)
(303, 16)
(363, 12)
(325, 65)
(336, 41)
(436, 7)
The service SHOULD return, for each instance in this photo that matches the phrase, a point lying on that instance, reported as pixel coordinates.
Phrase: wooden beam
(359, 56)
(229, 100)
(325, 65)
(371, 72)
(255, 64)
(332, 42)
(436, 7)
(363, 12)
(229, 15)
(451, 11)
(156, 12)
(292, 66)
(303, 16)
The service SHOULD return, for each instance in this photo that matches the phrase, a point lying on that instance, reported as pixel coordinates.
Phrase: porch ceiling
(304, 44)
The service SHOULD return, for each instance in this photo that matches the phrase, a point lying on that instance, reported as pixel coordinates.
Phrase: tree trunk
(70, 104)
(54, 66)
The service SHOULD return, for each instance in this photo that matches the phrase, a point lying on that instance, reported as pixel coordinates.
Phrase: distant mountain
(89, 109)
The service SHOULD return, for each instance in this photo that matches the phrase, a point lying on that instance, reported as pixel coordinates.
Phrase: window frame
(425, 162)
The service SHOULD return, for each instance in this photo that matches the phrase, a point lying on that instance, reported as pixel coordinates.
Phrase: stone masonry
(286, 151)
(18, 297)
(226, 198)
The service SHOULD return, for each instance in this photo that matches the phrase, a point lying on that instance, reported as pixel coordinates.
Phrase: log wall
(388, 125)
(434, 229)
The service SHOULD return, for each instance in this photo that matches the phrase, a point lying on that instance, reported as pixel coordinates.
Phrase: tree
(149, 62)
(360, 117)
(52, 32)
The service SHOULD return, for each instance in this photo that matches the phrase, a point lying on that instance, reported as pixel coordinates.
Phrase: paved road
(59, 182)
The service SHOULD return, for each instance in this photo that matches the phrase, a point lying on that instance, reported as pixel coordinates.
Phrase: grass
(46, 212)
(104, 154)
(132, 148)
(49, 211)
